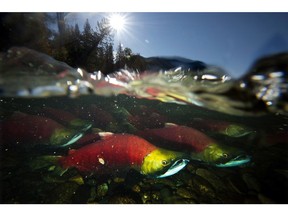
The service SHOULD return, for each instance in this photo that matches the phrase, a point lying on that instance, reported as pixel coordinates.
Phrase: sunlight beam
(117, 22)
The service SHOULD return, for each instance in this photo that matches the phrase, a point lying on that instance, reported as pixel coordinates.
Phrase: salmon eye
(165, 163)
(225, 155)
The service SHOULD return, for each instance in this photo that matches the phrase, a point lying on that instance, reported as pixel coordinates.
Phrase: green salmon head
(65, 137)
(222, 156)
(80, 124)
(234, 130)
(161, 163)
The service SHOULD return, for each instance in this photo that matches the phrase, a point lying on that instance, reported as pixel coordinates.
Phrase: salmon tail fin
(48, 162)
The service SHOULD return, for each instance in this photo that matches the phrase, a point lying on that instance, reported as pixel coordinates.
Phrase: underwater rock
(251, 182)
(158, 183)
(237, 184)
(122, 199)
(165, 192)
(149, 197)
(179, 200)
(180, 196)
(251, 200)
(124, 195)
(84, 194)
(202, 187)
(265, 200)
(186, 193)
(26, 188)
(52, 178)
(282, 172)
(136, 188)
(63, 193)
(146, 198)
(181, 178)
(191, 168)
(212, 178)
(93, 195)
(118, 180)
(102, 190)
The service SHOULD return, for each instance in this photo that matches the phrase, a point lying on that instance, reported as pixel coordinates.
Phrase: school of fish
(96, 145)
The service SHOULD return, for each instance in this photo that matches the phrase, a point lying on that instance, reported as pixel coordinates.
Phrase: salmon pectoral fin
(48, 162)
(59, 171)
(43, 162)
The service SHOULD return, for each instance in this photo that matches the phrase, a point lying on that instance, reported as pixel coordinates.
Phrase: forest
(92, 48)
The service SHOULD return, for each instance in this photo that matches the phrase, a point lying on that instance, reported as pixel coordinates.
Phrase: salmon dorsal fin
(105, 135)
(169, 125)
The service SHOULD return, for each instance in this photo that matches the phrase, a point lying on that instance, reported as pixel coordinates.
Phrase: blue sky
(229, 40)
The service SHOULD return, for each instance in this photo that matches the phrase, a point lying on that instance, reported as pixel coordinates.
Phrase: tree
(88, 36)
(61, 27)
(136, 62)
(61, 22)
(73, 45)
(127, 53)
(126, 58)
(93, 42)
(90, 49)
(120, 56)
(26, 29)
(84, 49)
(108, 66)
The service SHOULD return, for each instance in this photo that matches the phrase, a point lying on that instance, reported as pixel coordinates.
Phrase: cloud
(147, 41)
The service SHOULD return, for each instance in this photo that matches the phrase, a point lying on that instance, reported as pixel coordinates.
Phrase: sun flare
(117, 22)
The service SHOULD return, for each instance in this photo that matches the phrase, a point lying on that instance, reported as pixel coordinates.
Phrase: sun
(117, 22)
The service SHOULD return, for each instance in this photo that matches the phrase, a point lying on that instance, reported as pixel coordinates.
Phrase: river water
(41, 96)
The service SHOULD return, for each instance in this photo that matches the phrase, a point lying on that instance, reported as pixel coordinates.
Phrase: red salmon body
(66, 118)
(115, 153)
(99, 117)
(221, 127)
(178, 138)
(209, 125)
(145, 118)
(29, 129)
(58, 115)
